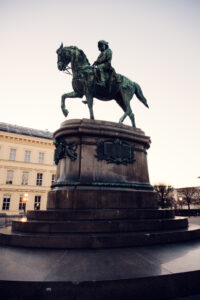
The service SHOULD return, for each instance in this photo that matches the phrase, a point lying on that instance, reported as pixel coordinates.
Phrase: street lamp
(180, 201)
(25, 200)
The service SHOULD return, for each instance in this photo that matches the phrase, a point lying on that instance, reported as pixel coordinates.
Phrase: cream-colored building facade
(27, 168)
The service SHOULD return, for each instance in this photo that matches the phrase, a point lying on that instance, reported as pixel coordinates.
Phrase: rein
(75, 55)
(66, 71)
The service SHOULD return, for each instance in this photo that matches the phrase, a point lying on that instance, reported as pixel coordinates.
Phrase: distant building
(27, 169)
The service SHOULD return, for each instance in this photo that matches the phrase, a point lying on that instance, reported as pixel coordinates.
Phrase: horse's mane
(81, 53)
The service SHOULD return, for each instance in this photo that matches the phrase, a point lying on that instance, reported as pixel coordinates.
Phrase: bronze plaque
(115, 152)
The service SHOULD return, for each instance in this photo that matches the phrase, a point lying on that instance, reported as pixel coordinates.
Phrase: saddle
(110, 77)
(92, 78)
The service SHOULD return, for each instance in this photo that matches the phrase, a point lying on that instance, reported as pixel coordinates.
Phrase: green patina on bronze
(104, 184)
(63, 150)
(97, 81)
(115, 151)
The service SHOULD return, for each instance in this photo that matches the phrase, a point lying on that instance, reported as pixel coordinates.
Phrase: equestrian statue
(97, 81)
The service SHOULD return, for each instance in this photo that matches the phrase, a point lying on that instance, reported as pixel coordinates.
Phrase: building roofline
(44, 134)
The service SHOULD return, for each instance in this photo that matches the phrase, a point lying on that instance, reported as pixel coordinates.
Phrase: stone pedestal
(101, 165)
(101, 208)
(102, 197)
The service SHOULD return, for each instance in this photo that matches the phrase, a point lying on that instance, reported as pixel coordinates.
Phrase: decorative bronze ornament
(63, 150)
(115, 151)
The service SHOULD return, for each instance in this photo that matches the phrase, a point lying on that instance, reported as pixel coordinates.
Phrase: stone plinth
(105, 166)
(102, 197)
(101, 209)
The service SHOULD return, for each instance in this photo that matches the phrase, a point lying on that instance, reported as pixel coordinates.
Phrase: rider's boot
(101, 80)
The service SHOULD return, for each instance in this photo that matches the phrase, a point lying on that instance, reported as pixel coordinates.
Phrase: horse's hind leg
(121, 120)
(132, 118)
(124, 102)
(130, 114)
(120, 101)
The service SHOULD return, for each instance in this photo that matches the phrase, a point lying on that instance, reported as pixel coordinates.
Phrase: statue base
(101, 206)
(101, 165)
(102, 197)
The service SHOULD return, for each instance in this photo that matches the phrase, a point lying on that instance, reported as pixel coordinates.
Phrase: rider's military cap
(103, 42)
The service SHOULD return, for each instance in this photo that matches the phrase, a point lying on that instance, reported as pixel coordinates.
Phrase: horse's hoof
(65, 113)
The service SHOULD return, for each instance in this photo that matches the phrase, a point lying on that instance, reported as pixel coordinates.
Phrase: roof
(44, 134)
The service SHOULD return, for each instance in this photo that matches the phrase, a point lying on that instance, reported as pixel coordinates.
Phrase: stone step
(98, 226)
(98, 214)
(97, 240)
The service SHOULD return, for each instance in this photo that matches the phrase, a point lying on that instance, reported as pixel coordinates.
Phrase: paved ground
(76, 266)
(194, 297)
(170, 263)
(194, 220)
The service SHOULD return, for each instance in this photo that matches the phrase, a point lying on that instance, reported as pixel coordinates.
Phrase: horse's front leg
(89, 99)
(65, 96)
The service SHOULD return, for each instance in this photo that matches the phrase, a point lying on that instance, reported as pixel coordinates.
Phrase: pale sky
(155, 43)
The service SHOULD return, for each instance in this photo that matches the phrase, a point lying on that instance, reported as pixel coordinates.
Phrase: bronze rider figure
(103, 63)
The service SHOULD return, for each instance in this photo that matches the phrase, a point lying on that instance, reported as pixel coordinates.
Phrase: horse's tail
(139, 94)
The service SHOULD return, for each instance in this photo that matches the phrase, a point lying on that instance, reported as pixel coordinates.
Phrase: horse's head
(64, 57)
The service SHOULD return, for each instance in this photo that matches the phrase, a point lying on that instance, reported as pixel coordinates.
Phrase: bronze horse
(85, 82)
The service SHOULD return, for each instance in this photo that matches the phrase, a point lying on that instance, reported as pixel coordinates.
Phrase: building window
(41, 158)
(39, 179)
(9, 178)
(54, 159)
(12, 154)
(27, 156)
(53, 178)
(22, 205)
(24, 178)
(37, 202)
(6, 203)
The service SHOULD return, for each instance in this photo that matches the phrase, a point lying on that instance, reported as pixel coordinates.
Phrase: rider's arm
(106, 56)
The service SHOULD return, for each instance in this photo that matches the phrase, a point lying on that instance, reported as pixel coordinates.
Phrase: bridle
(66, 70)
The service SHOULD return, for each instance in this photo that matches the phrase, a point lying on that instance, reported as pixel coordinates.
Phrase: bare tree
(163, 194)
(197, 196)
(188, 194)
